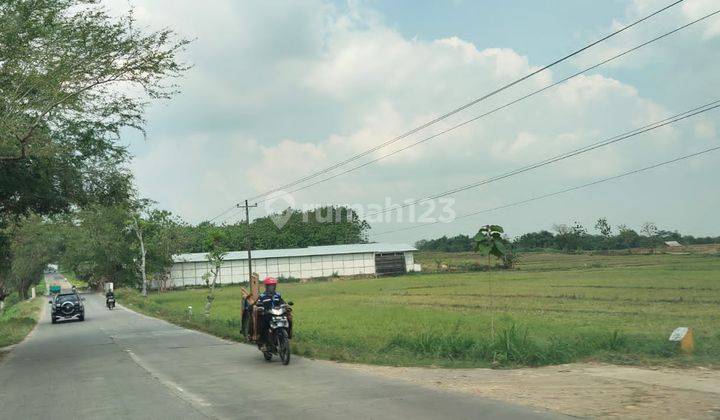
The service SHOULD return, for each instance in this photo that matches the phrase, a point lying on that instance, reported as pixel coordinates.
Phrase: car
(67, 305)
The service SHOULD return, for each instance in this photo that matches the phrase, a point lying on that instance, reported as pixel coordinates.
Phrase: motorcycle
(278, 334)
(110, 302)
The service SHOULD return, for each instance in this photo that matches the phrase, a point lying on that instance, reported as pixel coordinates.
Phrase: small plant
(510, 260)
(489, 241)
(615, 341)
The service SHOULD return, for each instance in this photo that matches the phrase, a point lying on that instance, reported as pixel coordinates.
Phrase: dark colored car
(67, 305)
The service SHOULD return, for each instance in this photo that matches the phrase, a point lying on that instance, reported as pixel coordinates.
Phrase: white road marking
(194, 400)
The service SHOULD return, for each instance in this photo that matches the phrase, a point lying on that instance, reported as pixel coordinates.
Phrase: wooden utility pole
(252, 282)
(248, 244)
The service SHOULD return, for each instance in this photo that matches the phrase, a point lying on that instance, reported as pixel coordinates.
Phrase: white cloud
(695, 9)
(280, 92)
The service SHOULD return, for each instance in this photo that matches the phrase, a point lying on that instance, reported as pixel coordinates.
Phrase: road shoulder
(18, 323)
(580, 389)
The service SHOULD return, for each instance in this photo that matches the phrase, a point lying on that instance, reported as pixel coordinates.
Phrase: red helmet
(269, 280)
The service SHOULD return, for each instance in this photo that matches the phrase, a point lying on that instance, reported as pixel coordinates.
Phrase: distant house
(672, 244)
(314, 261)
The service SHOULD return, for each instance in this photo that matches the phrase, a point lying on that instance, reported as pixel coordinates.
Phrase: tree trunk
(23, 287)
(143, 253)
(211, 294)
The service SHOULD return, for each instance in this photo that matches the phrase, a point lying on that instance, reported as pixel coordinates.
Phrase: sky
(279, 90)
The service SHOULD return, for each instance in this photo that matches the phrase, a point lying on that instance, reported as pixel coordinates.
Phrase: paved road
(119, 364)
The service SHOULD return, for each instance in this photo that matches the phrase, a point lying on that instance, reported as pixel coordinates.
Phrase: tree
(68, 63)
(71, 78)
(489, 241)
(99, 245)
(603, 227)
(650, 231)
(215, 256)
(5, 262)
(322, 226)
(570, 238)
(34, 245)
(163, 235)
(459, 243)
(534, 240)
(143, 252)
(626, 238)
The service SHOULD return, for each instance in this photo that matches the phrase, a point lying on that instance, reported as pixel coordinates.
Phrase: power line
(506, 105)
(464, 106)
(540, 197)
(596, 145)
(223, 214)
(653, 126)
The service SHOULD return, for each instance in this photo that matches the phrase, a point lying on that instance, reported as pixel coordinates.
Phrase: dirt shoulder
(581, 389)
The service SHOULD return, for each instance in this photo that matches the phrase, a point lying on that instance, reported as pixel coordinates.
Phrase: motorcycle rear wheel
(267, 355)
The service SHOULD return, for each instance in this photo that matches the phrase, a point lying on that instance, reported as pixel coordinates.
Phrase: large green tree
(158, 234)
(71, 78)
(129, 244)
(98, 245)
(34, 244)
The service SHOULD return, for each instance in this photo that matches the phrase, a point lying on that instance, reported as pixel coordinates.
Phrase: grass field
(555, 308)
(18, 319)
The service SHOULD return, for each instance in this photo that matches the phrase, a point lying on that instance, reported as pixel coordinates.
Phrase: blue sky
(544, 30)
(280, 89)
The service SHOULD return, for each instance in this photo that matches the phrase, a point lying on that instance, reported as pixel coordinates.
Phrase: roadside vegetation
(618, 309)
(74, 280)
(18, 319)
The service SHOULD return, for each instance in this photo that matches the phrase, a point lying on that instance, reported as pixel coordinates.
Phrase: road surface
(120, 364)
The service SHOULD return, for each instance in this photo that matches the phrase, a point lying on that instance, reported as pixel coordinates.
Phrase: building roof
(300, 252)
(673, 243)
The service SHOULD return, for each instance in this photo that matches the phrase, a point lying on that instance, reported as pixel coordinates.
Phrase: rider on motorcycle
(268, 300)
(108, 295)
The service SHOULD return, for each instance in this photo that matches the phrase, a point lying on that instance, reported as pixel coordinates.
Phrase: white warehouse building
(302, 263)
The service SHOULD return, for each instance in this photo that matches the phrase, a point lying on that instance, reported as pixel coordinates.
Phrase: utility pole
(247, 236)
(247, 319)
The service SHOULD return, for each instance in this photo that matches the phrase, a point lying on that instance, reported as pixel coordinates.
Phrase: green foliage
(572, 239)
(603, 227)
(98, 246)
(34, 244)
(101, 243)
(459, 243)
(323, 226)
(18, 319)
(69, 64)
(489, 241)
(72, 77)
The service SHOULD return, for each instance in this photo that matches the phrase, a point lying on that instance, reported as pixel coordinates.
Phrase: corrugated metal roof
(300, 252)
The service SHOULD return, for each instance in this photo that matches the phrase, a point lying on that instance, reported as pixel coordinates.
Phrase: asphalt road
(120, 364)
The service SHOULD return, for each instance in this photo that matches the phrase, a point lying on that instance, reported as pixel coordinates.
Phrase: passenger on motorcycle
(109, 294)
(269, 299)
